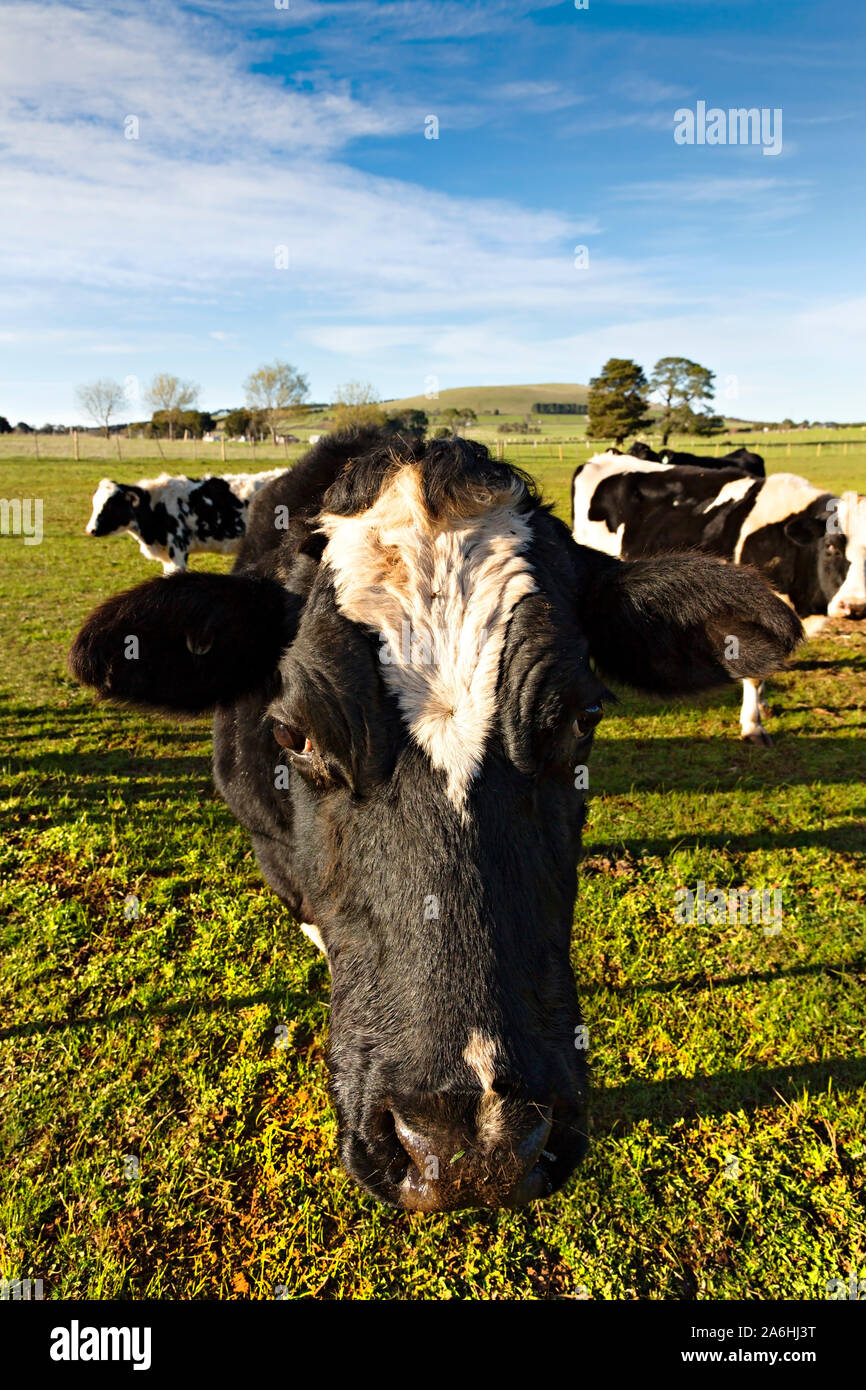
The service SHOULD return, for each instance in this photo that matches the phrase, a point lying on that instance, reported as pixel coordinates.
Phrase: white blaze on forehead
(439, 592)
(105, 489)
(851, 514)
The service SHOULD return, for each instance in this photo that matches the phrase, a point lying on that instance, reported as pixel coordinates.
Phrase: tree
(100, 399)
(414, 421)
(617, 402)
(237, 423)
(702, 423)
(192, 422)
(459, 416)
(5, 427)
(275, 391)
(680, 385)
(357, 403)
(172, 396)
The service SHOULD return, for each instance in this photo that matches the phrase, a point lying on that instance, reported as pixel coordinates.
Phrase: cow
(406, 684)
(175, 517)
(809, 545)
(639, 450)
(743, 459)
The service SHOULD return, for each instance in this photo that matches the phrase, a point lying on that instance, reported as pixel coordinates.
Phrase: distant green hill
(508, 400)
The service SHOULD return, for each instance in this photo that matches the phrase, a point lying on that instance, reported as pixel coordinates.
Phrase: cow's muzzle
(847, 608)
(447, 1152)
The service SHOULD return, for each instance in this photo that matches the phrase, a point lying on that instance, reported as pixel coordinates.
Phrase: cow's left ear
(186, 642)
(805, 530)
(679, 623)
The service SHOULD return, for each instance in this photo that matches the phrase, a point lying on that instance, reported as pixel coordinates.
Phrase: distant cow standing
(809, 545)
(639, 450)
(737, 458)
(404, 683)
(175, 517)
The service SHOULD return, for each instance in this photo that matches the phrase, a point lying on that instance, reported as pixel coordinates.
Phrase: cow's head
(406, 693)
(849, 540)
(830, 537)
(114, 508)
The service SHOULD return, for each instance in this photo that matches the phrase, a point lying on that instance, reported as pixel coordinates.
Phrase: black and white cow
(809, 545)
(639, 450)
(737, 458)
(744, 459)
(175, 517)
(405, 686)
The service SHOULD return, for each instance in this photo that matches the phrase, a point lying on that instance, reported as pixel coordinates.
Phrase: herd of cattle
(808, 544)
(422, 817)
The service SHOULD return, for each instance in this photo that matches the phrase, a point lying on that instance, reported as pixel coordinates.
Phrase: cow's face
(849, 542)
(426, 710)
(406, 721)
(830, 536)
(114, 509)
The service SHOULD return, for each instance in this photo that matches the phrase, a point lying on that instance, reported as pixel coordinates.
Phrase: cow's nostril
(418, 1149)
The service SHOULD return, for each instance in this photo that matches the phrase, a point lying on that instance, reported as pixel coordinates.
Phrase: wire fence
(221, 455)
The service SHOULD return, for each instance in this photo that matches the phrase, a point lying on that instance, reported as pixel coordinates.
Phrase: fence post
(560, 453)
(845, 447)
(36, 442)
(788, 448)
(75, 444)
(223, 447)
(117, 442)
(818, 454)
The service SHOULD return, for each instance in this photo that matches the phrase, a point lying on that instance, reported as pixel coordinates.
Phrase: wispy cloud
(260, 128)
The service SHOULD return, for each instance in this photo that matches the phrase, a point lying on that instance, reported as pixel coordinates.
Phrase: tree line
(619, 399)
(273, 393)
(622, 401)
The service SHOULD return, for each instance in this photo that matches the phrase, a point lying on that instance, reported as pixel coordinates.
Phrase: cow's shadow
(165, 1010)
(93, 758)
(845, 838)
(721, 1093)
(694, 984)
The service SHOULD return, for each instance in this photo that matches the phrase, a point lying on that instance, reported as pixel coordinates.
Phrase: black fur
(742, 459)
(186, 641)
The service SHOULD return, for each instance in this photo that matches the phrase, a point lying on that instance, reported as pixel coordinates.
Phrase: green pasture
(165, 1128)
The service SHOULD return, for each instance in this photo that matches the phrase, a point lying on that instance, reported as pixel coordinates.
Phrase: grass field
(166, 1129)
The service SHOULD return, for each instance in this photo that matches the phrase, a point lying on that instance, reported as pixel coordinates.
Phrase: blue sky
(411, 258)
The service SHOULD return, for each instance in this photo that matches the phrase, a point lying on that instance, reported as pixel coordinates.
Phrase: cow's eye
(588, 718)
(294, 739)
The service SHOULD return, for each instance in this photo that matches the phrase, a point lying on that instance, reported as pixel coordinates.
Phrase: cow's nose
(847, 608)
(493, 1156)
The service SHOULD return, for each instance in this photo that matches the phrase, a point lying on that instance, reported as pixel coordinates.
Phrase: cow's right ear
(186, 642)
(676, 624)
